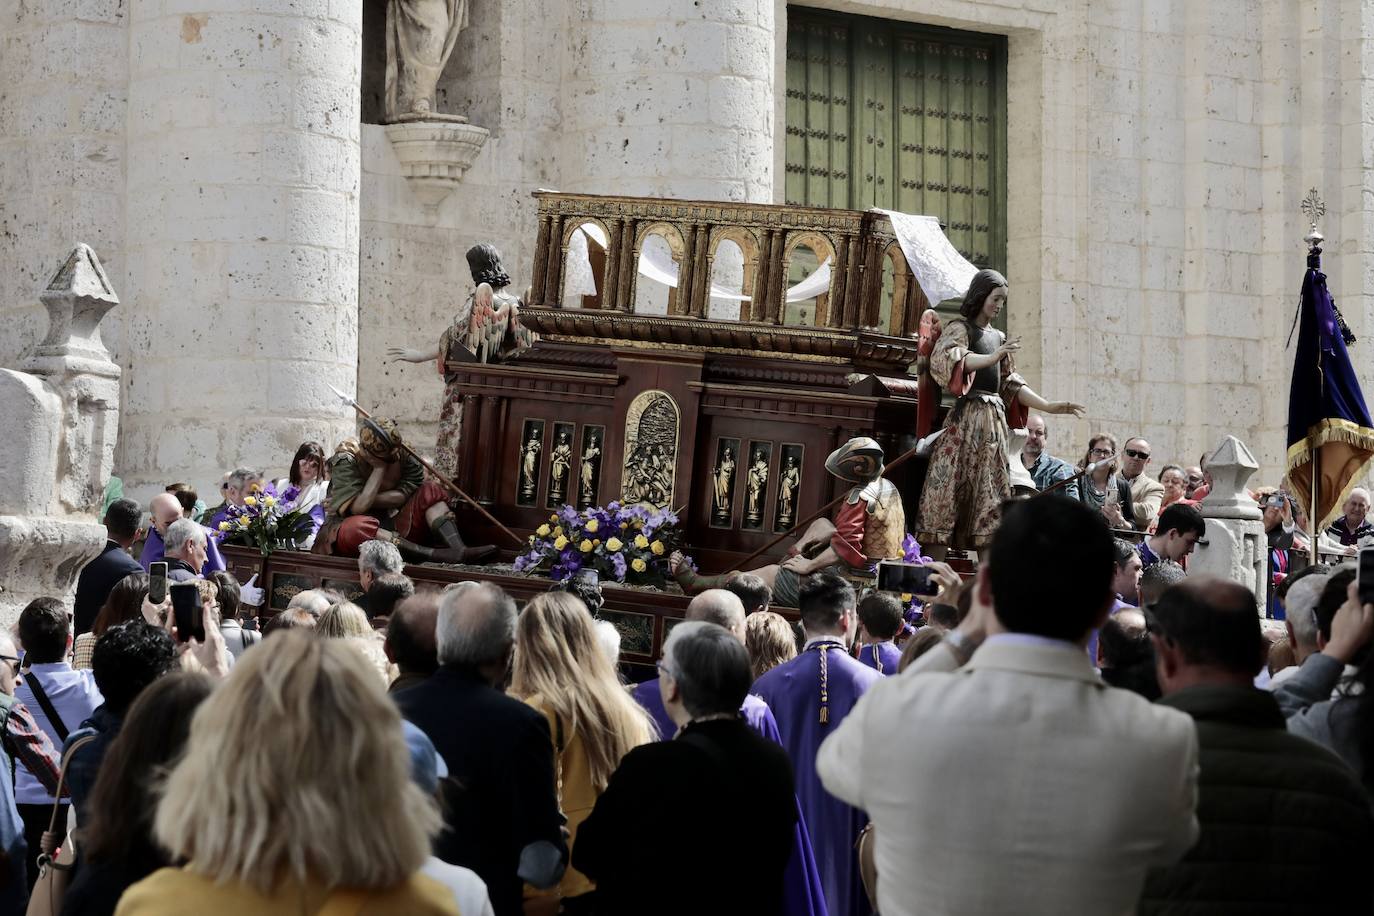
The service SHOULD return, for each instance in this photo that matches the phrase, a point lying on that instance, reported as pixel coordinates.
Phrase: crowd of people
(1122, 738)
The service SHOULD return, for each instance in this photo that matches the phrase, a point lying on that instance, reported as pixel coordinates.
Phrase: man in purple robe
(880, 620)
(164, 510)
(809, 696)
(803, 894)
(718, 606)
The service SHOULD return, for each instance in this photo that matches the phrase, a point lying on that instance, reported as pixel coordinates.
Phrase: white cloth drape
(940, 269)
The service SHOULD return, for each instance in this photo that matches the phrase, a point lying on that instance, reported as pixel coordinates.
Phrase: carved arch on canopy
(751, 247)
(676, 244)
(824, 248)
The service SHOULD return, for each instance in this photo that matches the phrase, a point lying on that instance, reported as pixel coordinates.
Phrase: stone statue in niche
(757, 484)
(724, 475)
(486, 329)
(529, 462)
(651, 430)
(590, 470)
(788, 484)
(420, 35)
(560, 462)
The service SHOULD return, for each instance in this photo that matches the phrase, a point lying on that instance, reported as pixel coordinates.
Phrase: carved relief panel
(531, 450)
(724, 473)
(651, 446)
(756, 479)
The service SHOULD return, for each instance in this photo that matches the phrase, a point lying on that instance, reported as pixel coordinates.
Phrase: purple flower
(618, 565)
(911, 550)
(291, 493)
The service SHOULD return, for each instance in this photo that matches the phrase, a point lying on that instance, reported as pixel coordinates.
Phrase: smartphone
(157, 582)
(1365, 576)
(189, 618)
(905, 578)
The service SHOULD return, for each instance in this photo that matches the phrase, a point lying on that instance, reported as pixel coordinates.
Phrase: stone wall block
(251, 97)
(229, 41)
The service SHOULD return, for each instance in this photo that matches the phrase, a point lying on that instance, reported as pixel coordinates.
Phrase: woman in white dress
(307, 473)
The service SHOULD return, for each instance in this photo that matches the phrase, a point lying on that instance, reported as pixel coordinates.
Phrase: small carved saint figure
(724, 473)
(591, 461)
(560, 460)
(529, 465)
(758, 481)
(788, 484)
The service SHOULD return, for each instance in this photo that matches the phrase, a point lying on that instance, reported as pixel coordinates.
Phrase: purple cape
(882, 657)
(153, 551)
(793, 692)
(803, 894)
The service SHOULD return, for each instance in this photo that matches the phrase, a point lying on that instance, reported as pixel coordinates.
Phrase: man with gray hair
(185, 550)
(723, 794)
(376, 558)
(1300, 620)
(237, 487)
(501, 814)
(725, 610)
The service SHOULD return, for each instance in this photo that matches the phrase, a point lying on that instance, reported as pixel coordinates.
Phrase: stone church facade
(1134, 167)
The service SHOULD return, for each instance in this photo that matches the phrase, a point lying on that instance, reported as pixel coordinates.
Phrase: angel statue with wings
(486, 329)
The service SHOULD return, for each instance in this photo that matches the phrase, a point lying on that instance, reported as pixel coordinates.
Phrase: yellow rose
(267, 501)
(906, 597)
(560, 543)
(224, 526)
(657, 548)
(624, 525)
(592, 525)
(641, 541)
(255, 488)
(614, 545)
(638, 565)
(558, 532)
(596, 543)
(585, 546)
(250, 500)
(553, 518)
(243, 521)
(543, 531)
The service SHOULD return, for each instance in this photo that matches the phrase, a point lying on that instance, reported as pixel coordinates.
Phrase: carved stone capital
(434, 154)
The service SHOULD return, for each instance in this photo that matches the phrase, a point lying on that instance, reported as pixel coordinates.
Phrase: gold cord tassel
(825, 684)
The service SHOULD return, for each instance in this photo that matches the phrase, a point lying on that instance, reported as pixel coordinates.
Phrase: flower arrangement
(267, 520)
(628, 544)
(914, 605)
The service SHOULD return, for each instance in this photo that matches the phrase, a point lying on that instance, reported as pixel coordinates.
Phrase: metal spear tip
(343, 397)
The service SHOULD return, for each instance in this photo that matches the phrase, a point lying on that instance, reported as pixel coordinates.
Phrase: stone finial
(77, 298)
(1230, 465)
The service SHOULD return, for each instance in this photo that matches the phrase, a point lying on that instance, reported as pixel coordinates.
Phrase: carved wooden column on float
(686, 272)
(763, 278)
(626, 267)
(701, 273)
(854, 277)
(491, 422)
(872, 287)
(553, 262)
(610, 279)
(540, 271)
(469, 457)
(840, 306)
(777, 293)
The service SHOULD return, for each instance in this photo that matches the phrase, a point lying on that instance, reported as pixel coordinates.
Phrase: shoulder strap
(41, 696)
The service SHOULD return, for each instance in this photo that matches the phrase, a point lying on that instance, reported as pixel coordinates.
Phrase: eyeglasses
(1132, 453)
(14, 660)
(1101, 451)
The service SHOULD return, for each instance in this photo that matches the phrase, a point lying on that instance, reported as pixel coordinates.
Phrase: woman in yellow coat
(561, 671)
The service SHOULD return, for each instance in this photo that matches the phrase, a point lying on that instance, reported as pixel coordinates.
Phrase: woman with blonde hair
(346, 621)
(318, 812)
(770, 641)
(561, 671)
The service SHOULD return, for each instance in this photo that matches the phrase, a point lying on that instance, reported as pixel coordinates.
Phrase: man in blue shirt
(1045, 469)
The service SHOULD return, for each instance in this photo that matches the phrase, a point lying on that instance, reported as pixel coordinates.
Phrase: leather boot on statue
(419, 553)
(447, 528)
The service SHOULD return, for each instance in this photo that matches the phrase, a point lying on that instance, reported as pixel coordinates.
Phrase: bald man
(165, 509)
(723, 608)
(1353, 523)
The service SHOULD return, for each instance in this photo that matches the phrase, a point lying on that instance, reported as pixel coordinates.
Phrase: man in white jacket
(1055, 792)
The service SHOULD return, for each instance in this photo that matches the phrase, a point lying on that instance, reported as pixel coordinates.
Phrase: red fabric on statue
(410, 522)
(848, 539)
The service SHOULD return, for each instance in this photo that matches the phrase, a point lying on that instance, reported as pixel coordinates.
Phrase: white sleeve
(838, 761)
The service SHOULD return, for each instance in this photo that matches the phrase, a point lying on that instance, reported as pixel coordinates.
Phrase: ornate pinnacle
(1314, 208)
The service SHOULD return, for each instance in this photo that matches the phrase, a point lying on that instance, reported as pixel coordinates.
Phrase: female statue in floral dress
(968, 477)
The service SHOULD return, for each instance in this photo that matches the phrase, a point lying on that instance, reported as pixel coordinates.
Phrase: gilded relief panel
(651, 443)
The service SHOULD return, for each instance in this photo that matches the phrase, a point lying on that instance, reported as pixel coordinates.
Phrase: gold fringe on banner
(1347, 450)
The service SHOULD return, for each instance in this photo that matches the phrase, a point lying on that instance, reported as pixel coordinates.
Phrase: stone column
(674, 104)
(1236, 547)
(242, 220)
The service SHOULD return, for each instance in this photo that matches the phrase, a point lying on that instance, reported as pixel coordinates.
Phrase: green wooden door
(903, 117)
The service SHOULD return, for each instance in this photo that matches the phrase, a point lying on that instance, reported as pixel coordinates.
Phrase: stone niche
(59, 414)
